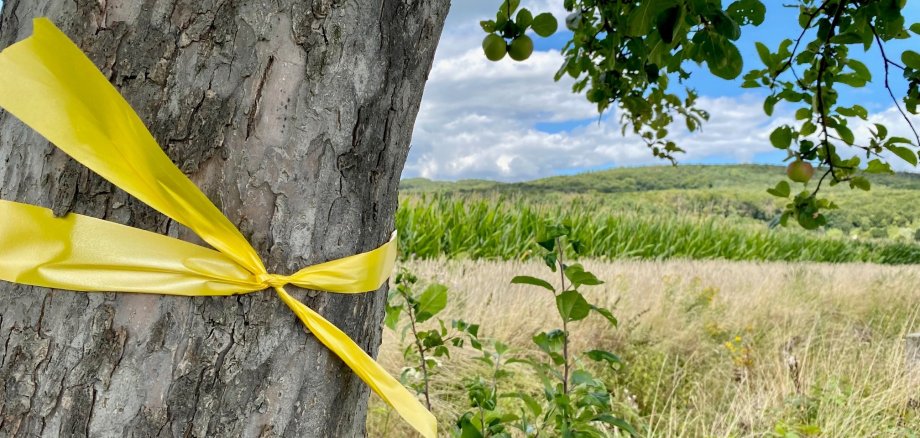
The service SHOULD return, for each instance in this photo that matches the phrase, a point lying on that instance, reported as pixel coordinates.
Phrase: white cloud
(475, 140)
(479, 119)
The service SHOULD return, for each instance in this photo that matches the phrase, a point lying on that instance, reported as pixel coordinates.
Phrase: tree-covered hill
(639, 179)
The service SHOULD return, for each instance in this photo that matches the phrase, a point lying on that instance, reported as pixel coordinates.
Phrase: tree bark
(294, 117)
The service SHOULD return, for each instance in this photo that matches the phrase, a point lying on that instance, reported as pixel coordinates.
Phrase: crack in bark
(45, 358)
(6, 345)
(222, 355)
(165, 423)
(123, 336)
(41, 315)
(254, 108)
(57, 402)
(191, 418)
(92, 408)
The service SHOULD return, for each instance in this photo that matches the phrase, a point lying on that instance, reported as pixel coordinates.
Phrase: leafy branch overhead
(630, 55)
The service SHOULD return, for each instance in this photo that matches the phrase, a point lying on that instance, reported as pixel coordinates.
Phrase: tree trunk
(294, 118)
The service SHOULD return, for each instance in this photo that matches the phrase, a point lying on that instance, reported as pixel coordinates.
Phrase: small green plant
(576, 403)
(425, 346)
(488, 418)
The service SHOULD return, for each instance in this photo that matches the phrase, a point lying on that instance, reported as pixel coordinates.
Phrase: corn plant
(504, 228)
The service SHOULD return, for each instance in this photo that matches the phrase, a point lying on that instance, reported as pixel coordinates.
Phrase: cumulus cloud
(511, 121)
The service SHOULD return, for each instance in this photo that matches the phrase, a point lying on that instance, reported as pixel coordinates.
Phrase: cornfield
(501, 228)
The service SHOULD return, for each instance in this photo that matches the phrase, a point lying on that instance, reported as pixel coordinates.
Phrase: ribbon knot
(50, 85)
(273, 280)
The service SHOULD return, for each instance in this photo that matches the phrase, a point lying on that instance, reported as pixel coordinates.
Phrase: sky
(510, 121)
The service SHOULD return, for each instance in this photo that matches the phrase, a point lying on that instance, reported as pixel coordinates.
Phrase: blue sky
(510, 121)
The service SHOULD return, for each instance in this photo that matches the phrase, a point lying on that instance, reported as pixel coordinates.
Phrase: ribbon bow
(49, 84)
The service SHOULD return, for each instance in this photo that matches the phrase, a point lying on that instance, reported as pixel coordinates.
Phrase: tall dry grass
(713, 349)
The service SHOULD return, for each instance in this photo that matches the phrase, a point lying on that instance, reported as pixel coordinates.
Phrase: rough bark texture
(294, 117)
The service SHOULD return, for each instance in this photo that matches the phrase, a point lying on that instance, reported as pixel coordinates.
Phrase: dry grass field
(712, 349)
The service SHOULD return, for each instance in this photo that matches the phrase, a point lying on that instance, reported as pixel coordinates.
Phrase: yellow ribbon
(49, 84)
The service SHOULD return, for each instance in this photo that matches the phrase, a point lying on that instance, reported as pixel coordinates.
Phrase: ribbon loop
(273, 280)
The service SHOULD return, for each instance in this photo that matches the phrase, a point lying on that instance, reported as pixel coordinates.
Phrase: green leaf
(878, 166)
(572, 306)
(881, 131)
(851, 79)
(782, 190)
(532, 404)
(524, 18)
(526, 279)
(578, 276)
(769, 103)
(604, 356)
(911, 59)
(606, 314)
(721, 55)
(765, 56)
(442, 351)
(551, 343)
(904, 153)
(392, 316)
(616, 422)
(860, 69)
(845, 133)
(548, 238)
(915, 28)
(807, 128)
(859, 182)
(469, 429)
(545, 24)
(509, 6)
(847, 38)
(487, 25)
(854, 111)
(725, 26)
(669, 22)
(580, 377)
(432, 301)
(747, 12)
(781, 137)
(550, 260)
(644, 16)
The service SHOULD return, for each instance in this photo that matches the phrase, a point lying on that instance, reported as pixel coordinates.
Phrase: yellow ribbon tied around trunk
(49, 84)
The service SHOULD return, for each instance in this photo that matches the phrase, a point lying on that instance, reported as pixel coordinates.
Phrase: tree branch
(798, 40)
(822, 110)
(894, 99)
